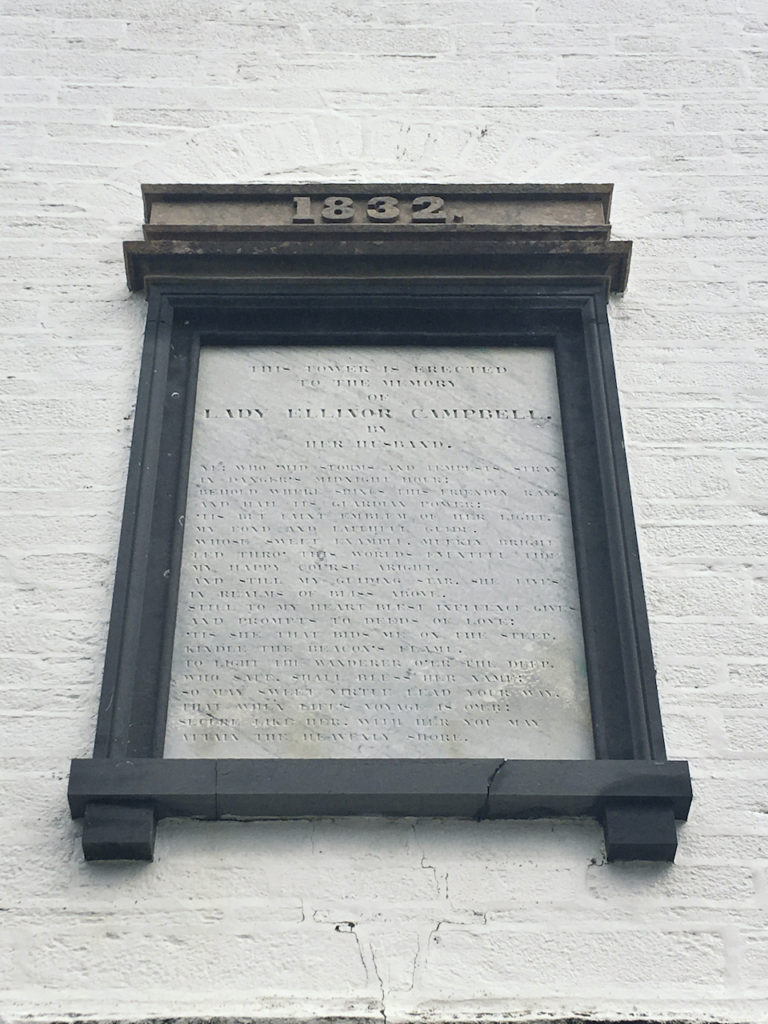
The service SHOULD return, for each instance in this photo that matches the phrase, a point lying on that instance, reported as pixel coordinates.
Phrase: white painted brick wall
(432, 920)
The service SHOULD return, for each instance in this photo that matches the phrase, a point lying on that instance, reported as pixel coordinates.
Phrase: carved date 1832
(381, 209)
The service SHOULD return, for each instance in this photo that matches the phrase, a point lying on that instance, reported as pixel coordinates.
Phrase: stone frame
(630, 786)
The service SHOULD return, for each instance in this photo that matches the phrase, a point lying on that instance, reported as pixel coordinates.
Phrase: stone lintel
(521, 232)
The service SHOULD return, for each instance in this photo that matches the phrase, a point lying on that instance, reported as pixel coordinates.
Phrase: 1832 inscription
(378, 559)
(378, 209)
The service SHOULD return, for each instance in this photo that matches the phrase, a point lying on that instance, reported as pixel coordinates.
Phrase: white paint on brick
(416, 920)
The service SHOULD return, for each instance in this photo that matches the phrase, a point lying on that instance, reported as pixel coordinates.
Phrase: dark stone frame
(630, 786)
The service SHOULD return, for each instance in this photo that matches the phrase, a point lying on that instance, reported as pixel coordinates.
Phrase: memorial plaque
(378, 558)
(378, 552)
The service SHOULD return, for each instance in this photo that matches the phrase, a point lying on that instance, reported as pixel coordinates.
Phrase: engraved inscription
(378, 209)
(378, 558)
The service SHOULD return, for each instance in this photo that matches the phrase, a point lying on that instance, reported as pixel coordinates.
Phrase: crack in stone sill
(482, 814)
